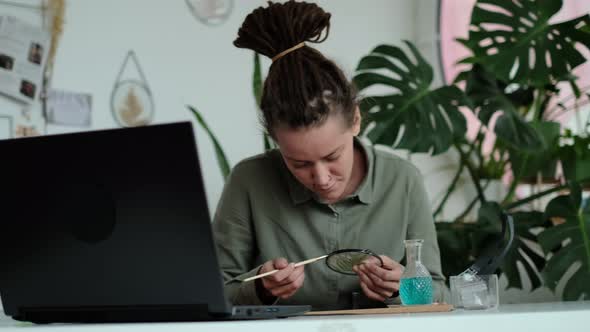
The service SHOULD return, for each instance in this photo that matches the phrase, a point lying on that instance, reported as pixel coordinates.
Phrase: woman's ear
(356, 122)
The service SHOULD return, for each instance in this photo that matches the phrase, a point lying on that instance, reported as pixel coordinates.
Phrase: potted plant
(507, 83)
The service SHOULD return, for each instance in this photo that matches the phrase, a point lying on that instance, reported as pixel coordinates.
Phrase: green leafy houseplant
(564, 254)
(519, 62)
(510, 79)
(430, 120)
(220, 156)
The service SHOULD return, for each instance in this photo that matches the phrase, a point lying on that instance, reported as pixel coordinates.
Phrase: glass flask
(416, 282)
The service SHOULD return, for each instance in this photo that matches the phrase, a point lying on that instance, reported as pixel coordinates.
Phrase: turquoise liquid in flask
(416, 282)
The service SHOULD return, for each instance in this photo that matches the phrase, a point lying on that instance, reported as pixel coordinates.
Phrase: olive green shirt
(265, 213)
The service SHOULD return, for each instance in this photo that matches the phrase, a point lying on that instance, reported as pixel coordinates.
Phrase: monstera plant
(425, 120)
(519, 63)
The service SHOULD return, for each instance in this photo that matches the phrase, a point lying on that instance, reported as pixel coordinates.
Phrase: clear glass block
(474, 291)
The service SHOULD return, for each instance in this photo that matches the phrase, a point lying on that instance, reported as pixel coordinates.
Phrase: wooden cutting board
(393, 309)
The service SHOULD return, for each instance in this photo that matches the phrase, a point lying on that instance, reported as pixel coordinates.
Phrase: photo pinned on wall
(210, 12)
(5, 127)
(23, 53)
(69, 108)
(35, 53)
(6, 62)
(132, 103)
(29, 122)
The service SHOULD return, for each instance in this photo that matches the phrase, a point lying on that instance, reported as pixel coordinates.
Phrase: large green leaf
(569, 244)
(488, 97)
(529, 164)
(219, 154)
(523, 250)
(517, 134)
(412, 116)
(515, 40)
(257, 79)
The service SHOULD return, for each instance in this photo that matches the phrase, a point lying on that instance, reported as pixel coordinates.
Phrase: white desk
(554, 317)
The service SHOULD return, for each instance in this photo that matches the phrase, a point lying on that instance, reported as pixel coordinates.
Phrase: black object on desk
(110, 226)
(492, 256)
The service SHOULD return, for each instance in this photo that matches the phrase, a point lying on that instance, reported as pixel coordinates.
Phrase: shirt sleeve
(421, 226)
(235, 240)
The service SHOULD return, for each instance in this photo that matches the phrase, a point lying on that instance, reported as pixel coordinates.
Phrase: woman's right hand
(282, 284)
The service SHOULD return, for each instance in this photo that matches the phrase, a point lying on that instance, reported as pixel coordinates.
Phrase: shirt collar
(364, 193)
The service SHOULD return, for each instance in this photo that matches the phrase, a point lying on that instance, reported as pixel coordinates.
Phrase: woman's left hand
(379, 282)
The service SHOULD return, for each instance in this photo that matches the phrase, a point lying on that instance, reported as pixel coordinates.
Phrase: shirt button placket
(334, 229)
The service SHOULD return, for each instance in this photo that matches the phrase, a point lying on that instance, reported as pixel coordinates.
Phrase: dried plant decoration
(131, 99)
(54, 12)
(132, 110)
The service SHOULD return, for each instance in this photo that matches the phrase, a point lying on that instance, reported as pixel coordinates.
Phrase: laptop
(111, 226)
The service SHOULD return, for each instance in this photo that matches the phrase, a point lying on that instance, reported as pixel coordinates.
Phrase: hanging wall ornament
(210, 12)
(131, 100)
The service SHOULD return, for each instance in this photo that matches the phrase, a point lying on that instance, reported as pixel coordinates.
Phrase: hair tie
(287, 51)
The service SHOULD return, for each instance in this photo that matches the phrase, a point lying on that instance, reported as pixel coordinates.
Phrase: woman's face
(321, 157)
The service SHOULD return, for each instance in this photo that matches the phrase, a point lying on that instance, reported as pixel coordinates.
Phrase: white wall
(187, 62)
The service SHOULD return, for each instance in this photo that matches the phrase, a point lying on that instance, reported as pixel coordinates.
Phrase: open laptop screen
(106, 219)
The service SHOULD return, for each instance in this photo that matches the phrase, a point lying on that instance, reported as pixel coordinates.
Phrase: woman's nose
(321, 175)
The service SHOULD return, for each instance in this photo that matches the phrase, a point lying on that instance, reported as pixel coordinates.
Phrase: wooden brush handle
(311, 260)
